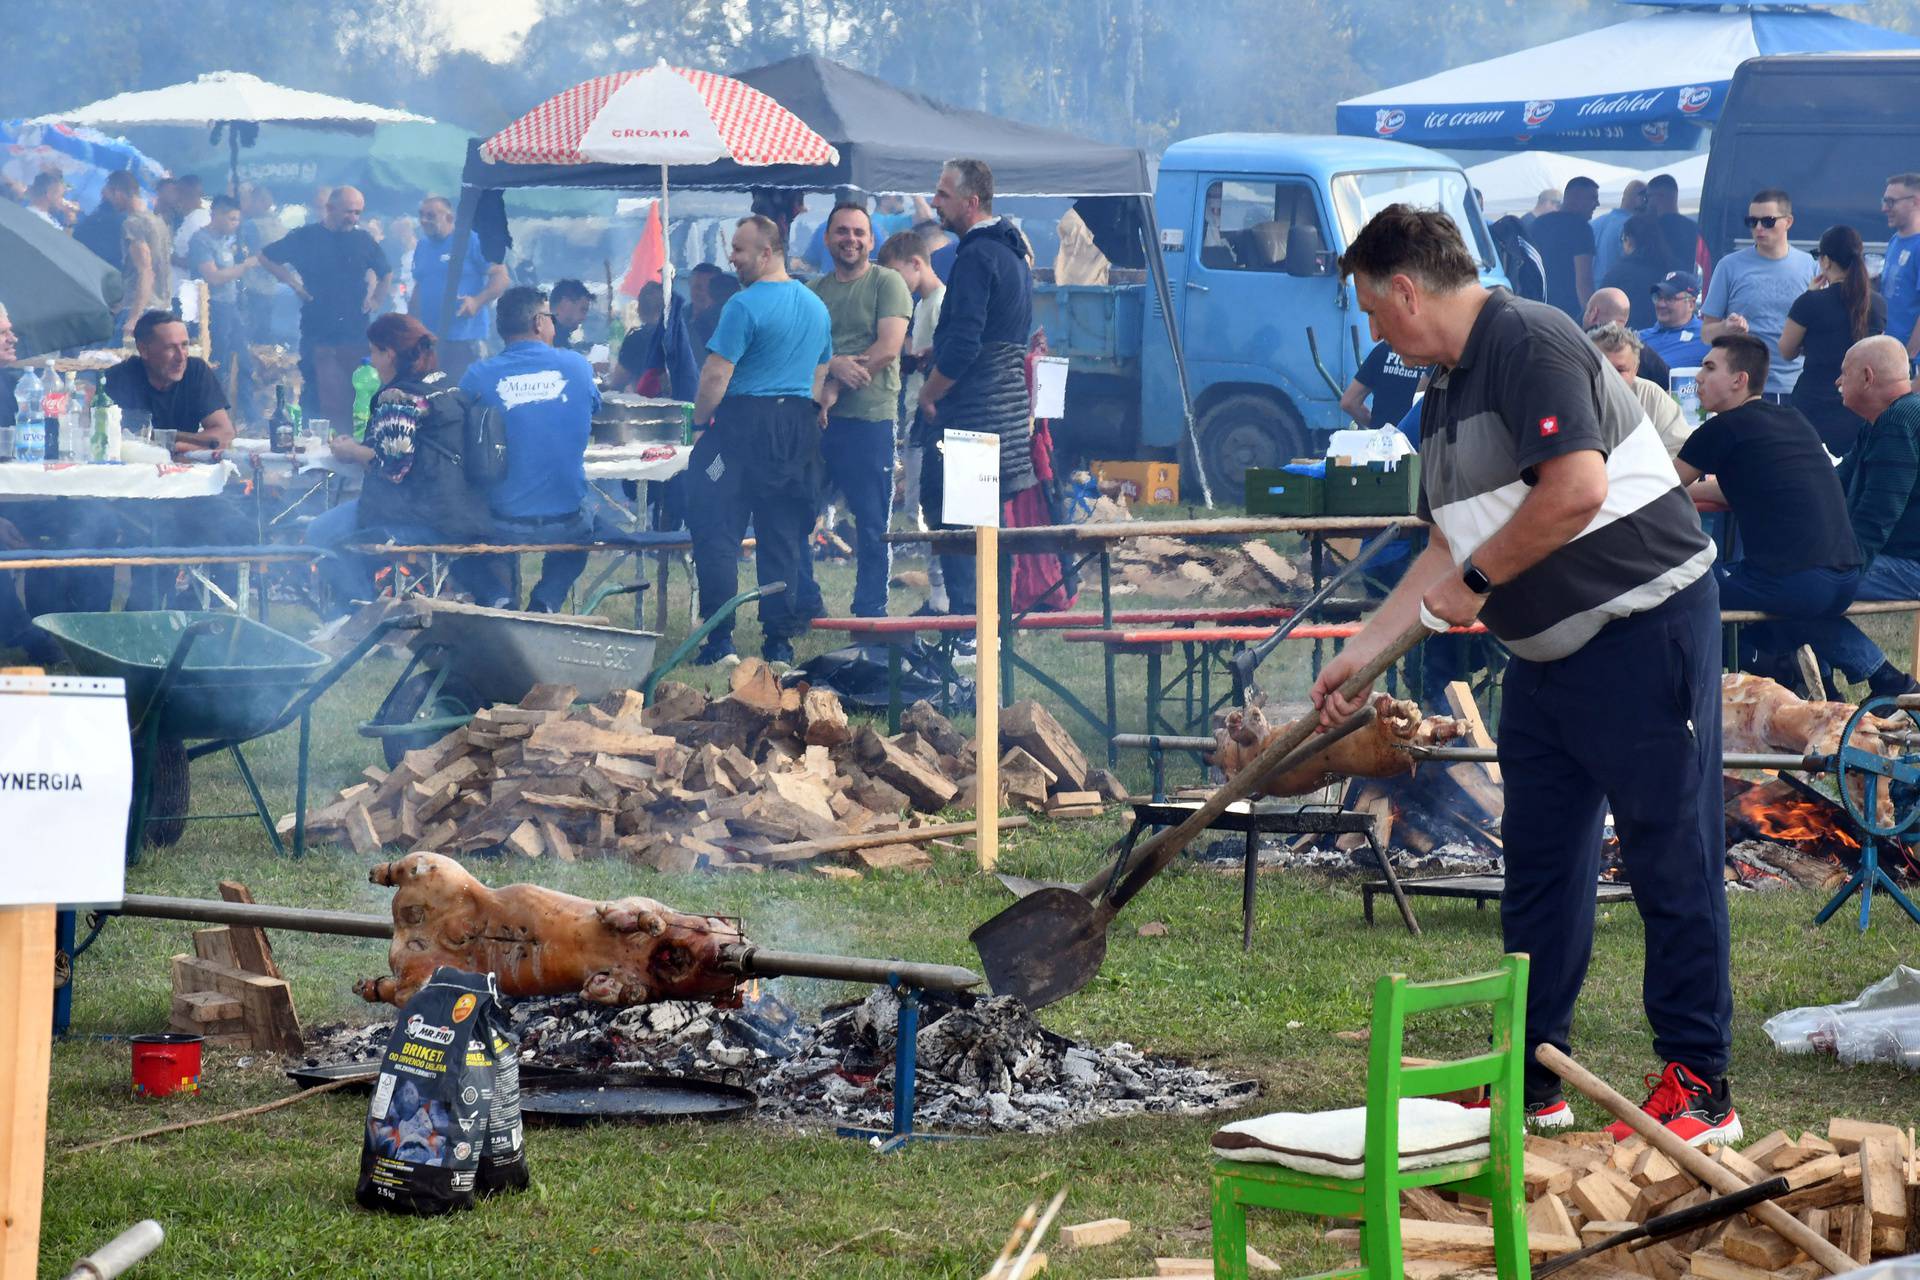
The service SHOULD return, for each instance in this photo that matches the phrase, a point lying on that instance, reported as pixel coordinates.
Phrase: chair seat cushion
(1333, 1143)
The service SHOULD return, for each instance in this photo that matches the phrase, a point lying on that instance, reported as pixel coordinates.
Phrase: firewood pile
(1857, 1186)
(763, 777)
(1173, 569)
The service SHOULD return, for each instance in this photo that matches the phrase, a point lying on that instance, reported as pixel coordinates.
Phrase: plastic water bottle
(53, 411)
(29, 428)
(366, 385)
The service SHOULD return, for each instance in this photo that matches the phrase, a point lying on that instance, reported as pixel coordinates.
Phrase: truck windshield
(1358, 196)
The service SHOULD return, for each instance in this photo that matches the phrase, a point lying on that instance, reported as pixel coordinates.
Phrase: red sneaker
(1697, 1112)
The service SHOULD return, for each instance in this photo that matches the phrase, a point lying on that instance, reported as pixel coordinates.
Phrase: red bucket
(165, 1063)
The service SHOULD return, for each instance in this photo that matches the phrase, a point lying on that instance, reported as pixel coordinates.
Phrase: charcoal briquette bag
(503, 1160)
(427, 1127)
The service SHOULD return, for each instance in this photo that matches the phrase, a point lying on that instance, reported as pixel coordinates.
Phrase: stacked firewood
(766, 776)
(1200, 571)
(1857, 1186)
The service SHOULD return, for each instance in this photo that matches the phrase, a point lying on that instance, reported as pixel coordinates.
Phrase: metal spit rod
(1731, 760)
(745, 959)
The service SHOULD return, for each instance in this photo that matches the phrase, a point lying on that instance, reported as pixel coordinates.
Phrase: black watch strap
(1477, 582)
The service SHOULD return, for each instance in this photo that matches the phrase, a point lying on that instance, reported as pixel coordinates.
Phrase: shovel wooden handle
(1157, 854)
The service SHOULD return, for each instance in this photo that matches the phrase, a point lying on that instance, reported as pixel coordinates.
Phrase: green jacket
(1881, 476)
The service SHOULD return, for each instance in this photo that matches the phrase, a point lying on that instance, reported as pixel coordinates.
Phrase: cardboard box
(1273, 492)
(1143, 484)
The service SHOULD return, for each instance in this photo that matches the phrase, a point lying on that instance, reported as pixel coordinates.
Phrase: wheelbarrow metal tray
(232, 686)
(502, 653)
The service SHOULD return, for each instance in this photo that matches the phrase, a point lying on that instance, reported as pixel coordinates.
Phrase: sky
(491, 28)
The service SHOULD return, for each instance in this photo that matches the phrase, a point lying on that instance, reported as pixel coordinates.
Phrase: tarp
(1647, 84)
(85, 156)
(889, 140)
(1512, 183)
(57, 294)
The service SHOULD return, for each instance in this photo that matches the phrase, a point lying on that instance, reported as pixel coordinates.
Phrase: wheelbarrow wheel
(409, 701)
(172, 794)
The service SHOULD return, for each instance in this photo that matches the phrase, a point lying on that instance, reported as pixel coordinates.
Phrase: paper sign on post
(972, 492)
(66, 781)
(1050, 387)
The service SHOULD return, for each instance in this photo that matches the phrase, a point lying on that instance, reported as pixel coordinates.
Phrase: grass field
(273, 1196)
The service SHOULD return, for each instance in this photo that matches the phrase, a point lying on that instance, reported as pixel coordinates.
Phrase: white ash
(984, 1065)
(1323, 855)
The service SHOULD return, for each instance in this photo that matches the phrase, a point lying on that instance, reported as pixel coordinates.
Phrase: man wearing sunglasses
(1751, 290)
(1900, 278)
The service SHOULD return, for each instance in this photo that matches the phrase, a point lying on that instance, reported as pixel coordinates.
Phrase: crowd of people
(918, 319)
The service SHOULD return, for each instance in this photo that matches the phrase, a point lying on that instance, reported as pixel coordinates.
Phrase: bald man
(1610, 306)
(1881, 476)
(341, 277)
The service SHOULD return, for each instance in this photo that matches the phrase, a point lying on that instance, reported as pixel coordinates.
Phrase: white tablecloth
(110, 480)
(637, 462)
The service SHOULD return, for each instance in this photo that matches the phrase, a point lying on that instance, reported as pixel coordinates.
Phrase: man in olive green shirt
(869, 306)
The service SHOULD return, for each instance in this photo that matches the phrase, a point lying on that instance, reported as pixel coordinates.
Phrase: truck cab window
(1246, 225)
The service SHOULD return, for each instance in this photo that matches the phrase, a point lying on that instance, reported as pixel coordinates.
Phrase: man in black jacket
(978, 380)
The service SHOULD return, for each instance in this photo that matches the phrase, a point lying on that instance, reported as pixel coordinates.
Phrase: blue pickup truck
(1251, 227)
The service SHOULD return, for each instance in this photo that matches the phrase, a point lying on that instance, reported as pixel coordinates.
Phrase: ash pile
(984, 1064)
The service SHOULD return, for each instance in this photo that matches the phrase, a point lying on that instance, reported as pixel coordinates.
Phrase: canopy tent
(56, 292)
(1647, 84)
(890, 139)
(236, 103)
(84, 156)
(1512, 183)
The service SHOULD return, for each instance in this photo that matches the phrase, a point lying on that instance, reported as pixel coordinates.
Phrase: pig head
(543, 942)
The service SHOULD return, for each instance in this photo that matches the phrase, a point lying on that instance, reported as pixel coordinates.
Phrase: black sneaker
(1891, 681)
(1695, 1110)
(777, 651)
(716, 651)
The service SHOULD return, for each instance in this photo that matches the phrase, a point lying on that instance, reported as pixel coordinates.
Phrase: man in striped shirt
(1559, 523)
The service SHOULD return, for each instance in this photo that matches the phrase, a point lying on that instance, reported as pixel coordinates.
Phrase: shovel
(1052, 942)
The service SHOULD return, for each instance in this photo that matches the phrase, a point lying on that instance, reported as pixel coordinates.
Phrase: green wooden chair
(1387, 1165)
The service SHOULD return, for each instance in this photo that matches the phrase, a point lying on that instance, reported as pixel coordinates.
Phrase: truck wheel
(1246, 431)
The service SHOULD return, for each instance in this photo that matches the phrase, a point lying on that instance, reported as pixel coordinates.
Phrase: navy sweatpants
(1631, 722)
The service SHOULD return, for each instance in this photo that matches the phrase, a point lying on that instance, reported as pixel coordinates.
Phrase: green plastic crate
(1373, 490)
(1273, 492)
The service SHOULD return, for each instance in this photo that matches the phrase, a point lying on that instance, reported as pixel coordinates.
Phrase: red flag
(649, 256)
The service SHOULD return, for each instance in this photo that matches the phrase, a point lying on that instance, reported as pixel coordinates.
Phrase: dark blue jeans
(227, 331)
(350, 576)
(558, 569)
(716, 517)
(1813, 598)
(859, 458)
(1631, 722)
(1838, 642)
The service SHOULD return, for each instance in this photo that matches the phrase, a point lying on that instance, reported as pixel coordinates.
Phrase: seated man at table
(548, 400)
(1765, 461)
(180, 393)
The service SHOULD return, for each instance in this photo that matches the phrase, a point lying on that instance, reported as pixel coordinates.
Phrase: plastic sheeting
(1881, 1024)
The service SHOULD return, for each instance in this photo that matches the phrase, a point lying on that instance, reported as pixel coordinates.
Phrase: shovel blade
(1022, 887)
(1043, 948)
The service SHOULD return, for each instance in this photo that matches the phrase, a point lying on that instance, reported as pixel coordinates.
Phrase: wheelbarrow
(466, 657)
(197, 684)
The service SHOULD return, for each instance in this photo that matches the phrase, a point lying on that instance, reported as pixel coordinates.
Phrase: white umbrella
(237, 101)
(1513, 182)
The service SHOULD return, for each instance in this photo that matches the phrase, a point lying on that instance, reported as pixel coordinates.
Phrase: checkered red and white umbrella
(663, 115)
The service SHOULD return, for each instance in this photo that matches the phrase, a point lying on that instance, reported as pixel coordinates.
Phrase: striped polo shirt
(1528, 387)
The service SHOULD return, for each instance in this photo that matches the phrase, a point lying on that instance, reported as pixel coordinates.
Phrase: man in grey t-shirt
(216, 256)
(1751, 290)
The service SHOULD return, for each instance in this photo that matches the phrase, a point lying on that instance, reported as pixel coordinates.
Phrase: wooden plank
(1712, 1264)
(1085, 1235)
(1460, 702)
(26, 975)
(577, 738)
(268, 1001)
(1846, 1134)
(1600, 1198)
(251, 949)
(1548, 1216)
(1758, 1246)
(1883, 1182)
(1762, 1151)
(1458, 1242)
(1544, 1176)
(205, 1006)
(215, 944)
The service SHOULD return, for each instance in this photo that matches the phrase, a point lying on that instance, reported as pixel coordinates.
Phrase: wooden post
(1915, 664)
(986, 693)
(26, 1043)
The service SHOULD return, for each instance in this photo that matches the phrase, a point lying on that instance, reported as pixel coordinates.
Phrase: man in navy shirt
(1675, 336)
(480, 283)
(758, 452)
(548, 399)
(1388, 381)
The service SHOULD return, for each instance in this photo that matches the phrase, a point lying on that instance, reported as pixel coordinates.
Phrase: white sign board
(1050, 387)
(972, 482)
(66, 781)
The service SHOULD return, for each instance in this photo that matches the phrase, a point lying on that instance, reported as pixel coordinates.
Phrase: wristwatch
(1477, 582)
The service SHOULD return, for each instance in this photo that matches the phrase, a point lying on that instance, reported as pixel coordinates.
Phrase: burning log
(543, 942)
(1374, 752)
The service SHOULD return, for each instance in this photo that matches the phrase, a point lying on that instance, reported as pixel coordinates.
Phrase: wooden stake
(986, 692)
(26, 1044)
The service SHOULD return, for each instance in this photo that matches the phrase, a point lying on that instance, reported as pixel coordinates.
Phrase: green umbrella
(56, 292)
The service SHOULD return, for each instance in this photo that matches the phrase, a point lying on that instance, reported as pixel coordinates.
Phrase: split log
(1029, 725)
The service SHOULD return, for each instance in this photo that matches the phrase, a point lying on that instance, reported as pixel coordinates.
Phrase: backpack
(483, 440)
(1525, 270)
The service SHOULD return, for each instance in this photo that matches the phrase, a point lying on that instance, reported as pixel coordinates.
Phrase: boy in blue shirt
(548, 399)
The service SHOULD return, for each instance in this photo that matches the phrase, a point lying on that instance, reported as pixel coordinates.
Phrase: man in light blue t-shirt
(1751, 290)
(1900, 277)
(758, 453)
(480, 283)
